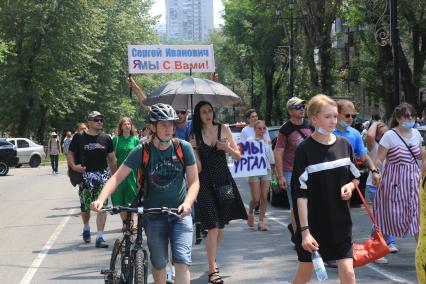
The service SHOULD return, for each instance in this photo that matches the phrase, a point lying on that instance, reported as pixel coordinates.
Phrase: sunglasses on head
(299, 107)
(408, 115)
(350, 115)
(181, 111)
(98, 120)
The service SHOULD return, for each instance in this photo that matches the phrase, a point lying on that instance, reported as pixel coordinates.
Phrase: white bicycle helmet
(162, 112)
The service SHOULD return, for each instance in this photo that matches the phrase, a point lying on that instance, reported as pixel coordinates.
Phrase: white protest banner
(253, 161)
(170, 58)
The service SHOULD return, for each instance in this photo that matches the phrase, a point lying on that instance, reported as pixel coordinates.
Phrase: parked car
(8, 156)
(236, 129)
(28, 151)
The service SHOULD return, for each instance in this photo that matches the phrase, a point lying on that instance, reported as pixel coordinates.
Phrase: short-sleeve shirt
(67, 142)
(354, 137)
(248, 132)
(390, 139)
(96, 149)
(184, 132)
(165, 186)
(289, 139)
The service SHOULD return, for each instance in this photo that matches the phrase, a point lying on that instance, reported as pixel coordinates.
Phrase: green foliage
(61, 59)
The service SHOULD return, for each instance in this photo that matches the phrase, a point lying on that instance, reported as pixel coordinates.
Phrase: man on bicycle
(164, 187)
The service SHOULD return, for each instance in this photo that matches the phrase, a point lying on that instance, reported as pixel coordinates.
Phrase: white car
(28, 151)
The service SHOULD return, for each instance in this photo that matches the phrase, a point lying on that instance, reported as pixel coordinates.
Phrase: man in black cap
(92, 153)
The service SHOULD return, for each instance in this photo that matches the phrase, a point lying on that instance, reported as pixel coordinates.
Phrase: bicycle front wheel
(116, 260)
(140, 267)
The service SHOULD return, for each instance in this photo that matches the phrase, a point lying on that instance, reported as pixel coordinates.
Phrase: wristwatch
(375, 171)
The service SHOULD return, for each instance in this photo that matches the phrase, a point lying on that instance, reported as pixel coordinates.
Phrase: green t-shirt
(166, 186)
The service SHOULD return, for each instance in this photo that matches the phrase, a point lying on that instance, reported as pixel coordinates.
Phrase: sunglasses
(98, 120)
(350, 115)
(299, 107)
(408, 115)
(181, 111)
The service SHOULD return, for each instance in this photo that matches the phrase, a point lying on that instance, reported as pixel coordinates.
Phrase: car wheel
(35, 161)
(18, 166)
(4, 168)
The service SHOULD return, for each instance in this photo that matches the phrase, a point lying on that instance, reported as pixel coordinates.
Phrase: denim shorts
(287, 176)
(266, 177)
(159, 230)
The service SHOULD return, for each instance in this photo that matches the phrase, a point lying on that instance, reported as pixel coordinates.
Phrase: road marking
(387, 274)
(371, 266)
(45, 250)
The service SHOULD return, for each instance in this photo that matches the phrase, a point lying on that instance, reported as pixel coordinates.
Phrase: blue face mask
(343, 124)
(322, 131)
(408, 124)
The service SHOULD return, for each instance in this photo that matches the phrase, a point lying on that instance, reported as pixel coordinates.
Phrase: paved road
(40, 240)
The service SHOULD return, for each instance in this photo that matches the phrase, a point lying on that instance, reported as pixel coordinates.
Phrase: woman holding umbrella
(219, 199)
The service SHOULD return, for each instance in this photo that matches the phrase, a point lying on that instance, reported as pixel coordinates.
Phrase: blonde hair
(259, 122)
(317, 102)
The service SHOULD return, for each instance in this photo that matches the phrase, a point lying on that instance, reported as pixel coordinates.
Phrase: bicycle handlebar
(140, 210)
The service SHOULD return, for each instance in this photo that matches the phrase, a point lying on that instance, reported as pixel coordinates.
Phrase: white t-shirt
(390, 139)
(373, 155)
(248, 132)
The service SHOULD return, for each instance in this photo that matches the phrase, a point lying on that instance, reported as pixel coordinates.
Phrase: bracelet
(304, 228)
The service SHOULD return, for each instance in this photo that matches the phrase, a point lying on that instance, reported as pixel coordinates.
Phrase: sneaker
(100, 243)
(256, 210)
(86, 236)
(393, 248)
(331, 263)
(381, 260)
(170, 273)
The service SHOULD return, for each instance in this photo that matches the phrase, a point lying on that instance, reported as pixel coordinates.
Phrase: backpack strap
(146, 153)
(179, 151)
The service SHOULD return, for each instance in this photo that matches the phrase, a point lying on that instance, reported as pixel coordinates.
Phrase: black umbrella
(186, 93)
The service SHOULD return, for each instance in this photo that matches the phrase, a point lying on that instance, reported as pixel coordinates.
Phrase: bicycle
(129, 258)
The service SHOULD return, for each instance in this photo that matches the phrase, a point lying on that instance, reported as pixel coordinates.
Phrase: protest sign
(171, 59)
(253, 161)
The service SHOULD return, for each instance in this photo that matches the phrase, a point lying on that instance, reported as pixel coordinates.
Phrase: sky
(160, 6)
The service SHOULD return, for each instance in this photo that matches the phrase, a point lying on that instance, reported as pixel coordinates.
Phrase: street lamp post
(291, 81)
(290, 46)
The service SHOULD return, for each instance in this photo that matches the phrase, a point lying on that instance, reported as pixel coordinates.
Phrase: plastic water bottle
(319, 267)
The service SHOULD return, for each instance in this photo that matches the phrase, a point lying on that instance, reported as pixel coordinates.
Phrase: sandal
(262, 227)
(216, 278)
(250, 220)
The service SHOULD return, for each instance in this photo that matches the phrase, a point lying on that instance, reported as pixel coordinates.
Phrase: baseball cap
(294, 101)
(94, 113)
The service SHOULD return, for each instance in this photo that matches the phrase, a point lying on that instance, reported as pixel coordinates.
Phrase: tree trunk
(42, 124)
(268, 77)
(325, 57)
(384, 67)
(407, 79)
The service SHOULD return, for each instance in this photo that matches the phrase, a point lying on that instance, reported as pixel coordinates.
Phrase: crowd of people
(314, 161)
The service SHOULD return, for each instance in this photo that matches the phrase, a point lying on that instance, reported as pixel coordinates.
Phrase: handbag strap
(365, 204)
(409, 148)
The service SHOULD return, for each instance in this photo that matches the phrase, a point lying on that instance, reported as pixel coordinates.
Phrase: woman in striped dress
(396, 206)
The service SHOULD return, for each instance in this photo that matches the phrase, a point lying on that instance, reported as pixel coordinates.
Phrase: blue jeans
(287, 176)
(371, 192)
(159, 230)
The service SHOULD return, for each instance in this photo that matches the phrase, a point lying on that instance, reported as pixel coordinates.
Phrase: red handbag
(373, 248)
